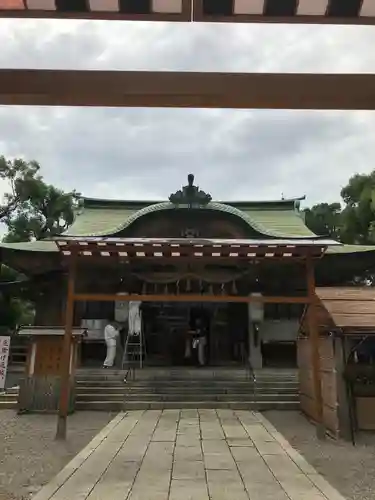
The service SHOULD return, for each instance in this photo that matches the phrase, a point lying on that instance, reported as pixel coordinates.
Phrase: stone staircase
(18, 352)
(99, 389)
(158, 388)
(8, 399)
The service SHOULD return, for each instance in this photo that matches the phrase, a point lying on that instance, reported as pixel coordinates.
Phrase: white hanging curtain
(135, 318)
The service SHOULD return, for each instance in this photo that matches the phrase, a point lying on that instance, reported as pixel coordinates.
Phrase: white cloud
(147, 153)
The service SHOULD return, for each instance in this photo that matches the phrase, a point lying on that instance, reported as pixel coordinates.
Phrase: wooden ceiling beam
(355, 12)
(110, 297)
(187, 89)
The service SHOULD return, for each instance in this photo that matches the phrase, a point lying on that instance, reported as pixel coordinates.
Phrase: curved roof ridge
(105, 201)
(221, 207)
(164, 205)
(213, 205)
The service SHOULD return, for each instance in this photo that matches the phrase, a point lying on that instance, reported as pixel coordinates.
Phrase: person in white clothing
(111, 335)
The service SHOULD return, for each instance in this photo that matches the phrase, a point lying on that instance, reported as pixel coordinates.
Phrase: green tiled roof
(31, 246)
(280, 220)
(99, 221)
(348, 249)
(280, 223)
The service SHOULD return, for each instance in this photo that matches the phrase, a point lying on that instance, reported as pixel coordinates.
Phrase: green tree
(31, 208)
(324, 219)
(358, 216)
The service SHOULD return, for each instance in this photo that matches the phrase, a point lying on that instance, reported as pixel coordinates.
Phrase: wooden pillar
(314, 348)
(66, 354)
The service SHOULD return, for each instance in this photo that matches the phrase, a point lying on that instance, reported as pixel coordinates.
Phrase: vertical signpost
(4, 358)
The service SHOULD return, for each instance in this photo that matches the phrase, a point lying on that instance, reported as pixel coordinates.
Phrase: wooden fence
(328, 378)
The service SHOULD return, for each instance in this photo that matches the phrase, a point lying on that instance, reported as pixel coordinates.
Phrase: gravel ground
(351, 470)
(29, 455)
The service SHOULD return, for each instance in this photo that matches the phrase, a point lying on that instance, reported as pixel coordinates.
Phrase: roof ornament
(190, 195)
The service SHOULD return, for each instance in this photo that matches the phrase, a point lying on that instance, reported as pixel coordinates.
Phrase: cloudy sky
(147, 153)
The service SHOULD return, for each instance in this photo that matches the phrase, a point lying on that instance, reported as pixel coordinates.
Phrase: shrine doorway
(167, 326)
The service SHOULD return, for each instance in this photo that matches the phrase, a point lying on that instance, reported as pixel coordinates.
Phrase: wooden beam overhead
(108, 10)
(107, 297)
(187, 89)
(232, 11)
(285, 11)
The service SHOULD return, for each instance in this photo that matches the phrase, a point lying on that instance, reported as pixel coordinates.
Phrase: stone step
(210, 397)
(101, 405)
(198, 374)
(244, 376)
(8, 399)
(186, 397)
(103, 377)
(202, 394)
(185, 374)
(102, 383)
(8, 405)
(156, 405)
(191, 382)
(100, 396)
(186, 384)
(182, 390)
(11, 390)
(197, 381)
(102, 389)
(209, 387)
(238, 405)
(244, 380)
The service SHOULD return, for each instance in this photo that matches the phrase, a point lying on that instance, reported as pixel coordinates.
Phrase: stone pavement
(188, 455)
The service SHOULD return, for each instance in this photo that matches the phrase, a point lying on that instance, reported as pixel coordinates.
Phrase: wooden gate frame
(194, 90)
(187, 89)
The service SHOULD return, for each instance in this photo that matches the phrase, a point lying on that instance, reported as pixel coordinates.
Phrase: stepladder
(135, 352)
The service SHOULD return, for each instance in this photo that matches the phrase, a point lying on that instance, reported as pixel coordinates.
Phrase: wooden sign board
(4, 358)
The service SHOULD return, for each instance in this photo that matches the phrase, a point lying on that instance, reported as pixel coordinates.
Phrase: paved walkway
(188, 455)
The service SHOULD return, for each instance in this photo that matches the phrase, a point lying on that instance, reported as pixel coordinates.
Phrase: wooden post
(65, 358)
(314, 348)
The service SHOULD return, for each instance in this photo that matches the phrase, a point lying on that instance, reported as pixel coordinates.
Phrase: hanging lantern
(256, 309)
(121, 310)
